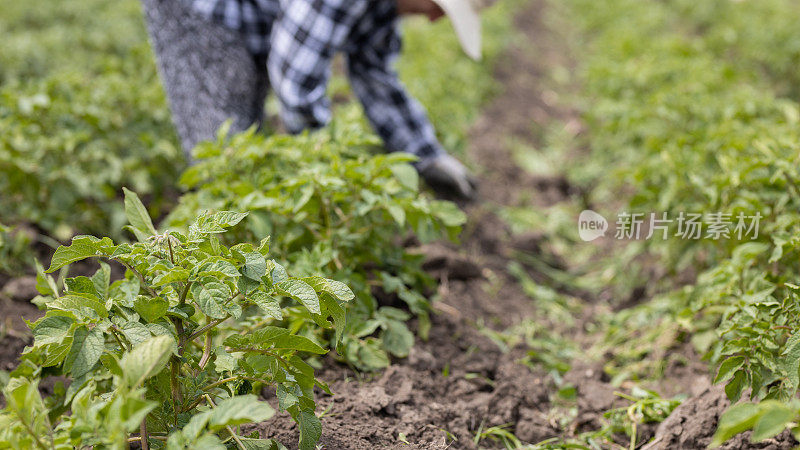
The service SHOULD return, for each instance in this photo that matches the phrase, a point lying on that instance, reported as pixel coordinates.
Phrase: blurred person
(218, 59)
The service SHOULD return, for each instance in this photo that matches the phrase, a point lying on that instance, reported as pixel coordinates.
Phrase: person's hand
(426, 7)
(447, 175)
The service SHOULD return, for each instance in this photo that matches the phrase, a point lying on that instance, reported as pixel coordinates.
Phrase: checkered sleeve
(397, 117)
(303, 41)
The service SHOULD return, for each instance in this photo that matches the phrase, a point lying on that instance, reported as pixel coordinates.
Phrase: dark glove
(447, 175)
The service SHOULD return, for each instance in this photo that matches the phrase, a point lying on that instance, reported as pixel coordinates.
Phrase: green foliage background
(692, 107)
(83, 113)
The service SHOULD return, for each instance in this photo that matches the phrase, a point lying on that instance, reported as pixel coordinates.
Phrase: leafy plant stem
(138, 438)
(143, 433)
(169, 246)
(185, 293)
(235, 437)
(34, 435)
(207, 327)
(177, 397)
(140, 277)
(115, 333)
(229, 379)
(206, 351)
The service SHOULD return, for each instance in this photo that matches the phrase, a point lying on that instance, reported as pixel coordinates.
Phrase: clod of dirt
(530, 242)
(692, 426)
(595, 395)
(444, 263)
(10, 349)
(21, 289)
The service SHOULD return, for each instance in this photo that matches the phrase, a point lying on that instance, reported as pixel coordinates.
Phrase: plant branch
(177, 397)
(33, 434)
(143, 433)
(207, 327)
(115, 332)
(185, 293)
(140, 276)
(139, 438)
(228, 380)
(236, 294)
(169, 245)
(206, 351)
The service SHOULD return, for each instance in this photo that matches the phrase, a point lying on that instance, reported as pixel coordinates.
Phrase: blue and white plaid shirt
(299, 39)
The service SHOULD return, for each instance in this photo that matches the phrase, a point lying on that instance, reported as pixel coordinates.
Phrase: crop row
(692, 108)
(209, 310)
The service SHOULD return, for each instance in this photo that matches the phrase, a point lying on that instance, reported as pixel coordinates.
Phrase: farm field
(376, 315)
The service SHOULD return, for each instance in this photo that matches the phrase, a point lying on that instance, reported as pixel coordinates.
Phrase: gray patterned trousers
(208, 73)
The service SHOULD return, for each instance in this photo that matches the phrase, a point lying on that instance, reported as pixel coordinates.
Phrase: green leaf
(172, 276)
(101, 280)
(111, 362)
(774, 419)
(735, 387)
(736, 419)
(147, 359)
(260, 338)
(136, 332)
(151, 309)
(229, 218)
(210, 296)
(286, 399)
(301, 291)
(52, 330)
(82, 305)
(45, 284)
(261, 444)
(336, 288)
(279, 274)
(263, 246)
(82, 247)
(728, 367)
(448, 213)
(407, 176)
(299, 343)
(87, 346)
(310, 430)
(255, 266)
(81, 285)
(790, 360)
(220, 267)
(138, 216)
(271, 306)
(337, 312)
(371, 356)
(239, 410)
(397, 213)
(273, 337)
(397, 339)
(223, 361)
(57, 352)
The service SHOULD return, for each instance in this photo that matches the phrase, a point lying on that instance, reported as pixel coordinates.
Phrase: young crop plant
(339, 210)
(690, 109)
(158, 356)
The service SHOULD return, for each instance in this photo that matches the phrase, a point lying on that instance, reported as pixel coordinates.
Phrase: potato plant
(150, 357)
(339, 211)
(681, 110)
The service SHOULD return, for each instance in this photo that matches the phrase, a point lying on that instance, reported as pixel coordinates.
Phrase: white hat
(467, 23)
